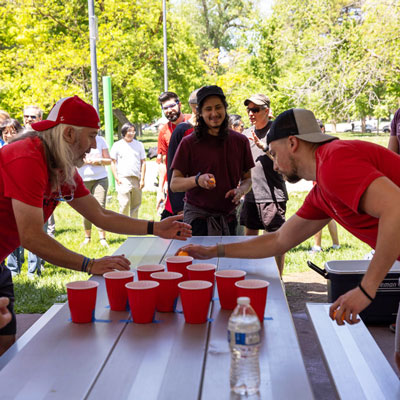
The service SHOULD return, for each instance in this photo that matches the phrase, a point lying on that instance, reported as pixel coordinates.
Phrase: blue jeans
(16, 259)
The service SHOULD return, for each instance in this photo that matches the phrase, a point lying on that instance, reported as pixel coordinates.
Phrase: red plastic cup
(168, 291)
(256, 290)
(82, 300)
(226, 286)
(195, 298)
(142, 296)
(116, 291)
(179, 264)
(202, 272)
(144, 271)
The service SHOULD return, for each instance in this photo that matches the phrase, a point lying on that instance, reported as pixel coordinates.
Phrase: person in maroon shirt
(358, 185)
(37, 171)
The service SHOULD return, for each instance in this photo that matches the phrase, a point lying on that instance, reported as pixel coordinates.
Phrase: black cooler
(343, 276)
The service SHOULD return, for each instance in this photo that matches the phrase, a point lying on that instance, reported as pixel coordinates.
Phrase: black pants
(7, 290)
(199, 227)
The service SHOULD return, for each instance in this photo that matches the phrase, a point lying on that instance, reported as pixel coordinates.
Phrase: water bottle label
(244, 338)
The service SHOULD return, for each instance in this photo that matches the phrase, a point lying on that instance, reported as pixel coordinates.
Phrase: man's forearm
(52, 251)
(183, 184)
(245, 185)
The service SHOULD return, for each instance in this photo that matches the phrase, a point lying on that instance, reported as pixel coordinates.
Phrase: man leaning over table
(37, 171)
(357, 184)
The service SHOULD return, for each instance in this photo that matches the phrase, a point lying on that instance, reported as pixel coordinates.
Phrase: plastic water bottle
(244, 341)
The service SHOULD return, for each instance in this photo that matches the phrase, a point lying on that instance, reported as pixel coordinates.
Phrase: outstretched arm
(387, 250)
(292, 232)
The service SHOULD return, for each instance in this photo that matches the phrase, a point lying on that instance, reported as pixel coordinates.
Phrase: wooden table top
(113, 358)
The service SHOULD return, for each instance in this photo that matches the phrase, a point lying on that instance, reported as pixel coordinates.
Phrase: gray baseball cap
(259, 100)
(300, 123)
(193, 97)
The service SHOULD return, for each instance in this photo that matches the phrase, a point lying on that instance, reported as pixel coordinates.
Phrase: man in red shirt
(37, 171)
(171, 107)
(357, 185)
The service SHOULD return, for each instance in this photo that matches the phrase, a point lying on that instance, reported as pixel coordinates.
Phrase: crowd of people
(214, 175)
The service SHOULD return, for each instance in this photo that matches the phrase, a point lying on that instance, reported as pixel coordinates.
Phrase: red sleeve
(161, 136)
(25, 179)
(346, 174)
(310, 209)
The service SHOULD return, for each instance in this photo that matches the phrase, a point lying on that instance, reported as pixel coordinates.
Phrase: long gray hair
(60, 158)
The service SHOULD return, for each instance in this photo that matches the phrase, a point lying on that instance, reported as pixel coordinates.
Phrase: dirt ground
(304, 287)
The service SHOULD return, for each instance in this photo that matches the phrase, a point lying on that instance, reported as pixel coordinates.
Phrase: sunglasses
(254, 110)
(165, 108)
(30, 116)
(67, 198)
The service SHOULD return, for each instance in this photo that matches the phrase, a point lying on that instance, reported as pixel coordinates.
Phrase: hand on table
(199, 252)
(172, 228)
(5, 315)
(350, 304)
(110, 263)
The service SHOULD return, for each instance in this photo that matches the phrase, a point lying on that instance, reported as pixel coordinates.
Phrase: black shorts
(7, 290)
(267, 216)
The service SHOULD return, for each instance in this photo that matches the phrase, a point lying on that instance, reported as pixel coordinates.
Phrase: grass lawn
(39, 295)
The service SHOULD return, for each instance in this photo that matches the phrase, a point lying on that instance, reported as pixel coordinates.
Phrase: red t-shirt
(24, 177)
(345, 169)
(227, 161)
(164, 135)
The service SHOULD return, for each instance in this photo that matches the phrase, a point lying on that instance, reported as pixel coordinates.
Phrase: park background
(337, 58)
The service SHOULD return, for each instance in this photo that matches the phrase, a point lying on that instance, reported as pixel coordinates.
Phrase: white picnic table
(114, 358)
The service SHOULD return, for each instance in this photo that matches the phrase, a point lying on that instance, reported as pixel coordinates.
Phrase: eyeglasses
(30, 116)
(67, 198)
(254, 110)
(165, 108)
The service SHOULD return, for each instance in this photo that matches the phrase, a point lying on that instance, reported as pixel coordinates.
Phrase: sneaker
(315, 249)
(104, 243)
(392, 327)
(86, 241)
(335, 246)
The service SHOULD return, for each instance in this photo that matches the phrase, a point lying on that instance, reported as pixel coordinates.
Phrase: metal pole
(93, 58)
(108, 122)
(165, 46)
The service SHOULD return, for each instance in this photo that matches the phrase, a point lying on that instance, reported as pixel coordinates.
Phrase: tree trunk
(121, 117)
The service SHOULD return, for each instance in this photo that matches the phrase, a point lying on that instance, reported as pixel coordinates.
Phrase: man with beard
(264, 206)
(212, 165)
(37, 171)
(171, 107)
(357, 184)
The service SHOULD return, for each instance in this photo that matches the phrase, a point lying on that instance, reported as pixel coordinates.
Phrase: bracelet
(220, 250)
(85, 263)
(150, 227)
(196, 179)
(364, 291)
(90, 266)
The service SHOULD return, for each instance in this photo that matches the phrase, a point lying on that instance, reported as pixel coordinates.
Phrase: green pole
(108, 121)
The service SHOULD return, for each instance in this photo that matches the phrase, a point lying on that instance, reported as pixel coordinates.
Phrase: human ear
(69, 134)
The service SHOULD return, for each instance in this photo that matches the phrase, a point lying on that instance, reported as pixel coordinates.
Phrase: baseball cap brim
(44, 125)
(258, 100)
(316, 137)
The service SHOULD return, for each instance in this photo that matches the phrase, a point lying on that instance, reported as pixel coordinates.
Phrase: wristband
(90, 266)
(220, 250)
(150, 227)
(365, 292)
(85, 263)
(196, 179)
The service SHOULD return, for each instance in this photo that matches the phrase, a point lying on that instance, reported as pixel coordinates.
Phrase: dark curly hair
(201, 127)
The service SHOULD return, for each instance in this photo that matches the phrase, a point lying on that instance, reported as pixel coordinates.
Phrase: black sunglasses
(254, 110)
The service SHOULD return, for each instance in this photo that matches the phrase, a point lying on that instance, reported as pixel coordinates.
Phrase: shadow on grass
(68, 230)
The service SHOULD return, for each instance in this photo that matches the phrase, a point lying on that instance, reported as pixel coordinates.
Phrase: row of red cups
(163, 292)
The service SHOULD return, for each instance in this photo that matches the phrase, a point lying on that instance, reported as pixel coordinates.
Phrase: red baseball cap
(71, 111)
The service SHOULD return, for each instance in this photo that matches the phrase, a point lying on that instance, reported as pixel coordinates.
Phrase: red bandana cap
(70, 111)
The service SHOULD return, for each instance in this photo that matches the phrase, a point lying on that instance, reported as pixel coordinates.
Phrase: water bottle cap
(243, 301)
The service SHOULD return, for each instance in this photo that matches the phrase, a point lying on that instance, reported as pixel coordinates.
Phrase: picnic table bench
(115, 358)
(357, 367)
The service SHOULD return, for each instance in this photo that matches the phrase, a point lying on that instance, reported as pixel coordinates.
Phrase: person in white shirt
(129, 168)
(95, 178)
